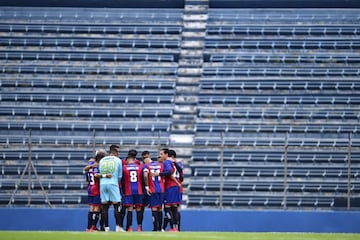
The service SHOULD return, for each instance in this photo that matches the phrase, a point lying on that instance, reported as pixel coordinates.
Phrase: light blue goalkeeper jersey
(112, 165)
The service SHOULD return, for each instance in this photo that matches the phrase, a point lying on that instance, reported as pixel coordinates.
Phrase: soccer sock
(89, 220)
(175, 216)
(169, 216)
(101, 221)
(160, 219)
(122, 216)
(139, 217)
(105, 214)
(179, 220)
(155, 220)
(129, 220)
(117, 209)
(166, 220)
(95, 218)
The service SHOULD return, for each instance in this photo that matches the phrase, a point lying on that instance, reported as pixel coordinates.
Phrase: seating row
(89, 42)
(275, 128)
(289, 45)
(283, 99)
(286, 71)
(253, 141)
(268, 201)
(89, 70)
(46, 170)
(275, 58)
(60, 199)
(90, 29)
(263, 172)
(275, 156)
(276, 85)
(30, 111)
(275, 16)
(86, 140)
(167, 84)
(284, 31)
(47, 185)
(95, 15)
(61, 126)
(47, 154)
(271, 186)
(73, 157)
(87, 56)
(86, 97)
(278, 113)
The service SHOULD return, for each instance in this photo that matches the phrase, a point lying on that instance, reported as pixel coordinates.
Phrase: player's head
(145, 154)
(147, 160)
(164, 154)
(100, 154)
(114, 150)
(172, 153)
(132, 153)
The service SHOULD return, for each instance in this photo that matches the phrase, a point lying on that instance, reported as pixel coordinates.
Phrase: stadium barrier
(41, 219)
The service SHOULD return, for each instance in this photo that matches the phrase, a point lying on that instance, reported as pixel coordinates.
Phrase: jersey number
(133, 176)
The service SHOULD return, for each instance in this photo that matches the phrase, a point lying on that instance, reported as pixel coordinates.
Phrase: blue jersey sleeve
(167, 169)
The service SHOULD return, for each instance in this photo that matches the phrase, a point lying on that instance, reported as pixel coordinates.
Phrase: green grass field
(29, 235)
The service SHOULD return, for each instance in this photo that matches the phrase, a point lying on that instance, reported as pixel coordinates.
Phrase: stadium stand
(220, 85)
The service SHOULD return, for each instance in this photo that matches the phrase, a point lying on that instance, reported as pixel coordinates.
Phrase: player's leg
(105, 204)
(138, 203)
(129, 219)
(95, 217)
(175, 214)
(105, 215)
(179, 217)
(115, 198)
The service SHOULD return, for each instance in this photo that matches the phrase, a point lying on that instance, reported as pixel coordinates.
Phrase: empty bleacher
(79, 79)
(266, 77)
(90, 77)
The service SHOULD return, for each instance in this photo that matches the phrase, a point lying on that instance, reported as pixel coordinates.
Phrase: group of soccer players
(130, 184)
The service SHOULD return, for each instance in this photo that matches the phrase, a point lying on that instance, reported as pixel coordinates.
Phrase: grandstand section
(261, 104)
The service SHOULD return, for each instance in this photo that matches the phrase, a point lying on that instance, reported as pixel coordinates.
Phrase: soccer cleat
(107, 229)
(130, 229)
(119, 229)
(139, 229)
(173, 230)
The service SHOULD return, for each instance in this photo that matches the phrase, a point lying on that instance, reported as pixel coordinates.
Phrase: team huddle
(130, 184)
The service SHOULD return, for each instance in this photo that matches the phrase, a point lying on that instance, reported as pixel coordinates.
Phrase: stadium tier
(262, 105)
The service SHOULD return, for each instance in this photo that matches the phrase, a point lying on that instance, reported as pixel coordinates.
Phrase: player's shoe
(173, 230)
(139, 229)
(107, 229)
(130, 229)
(119, 229)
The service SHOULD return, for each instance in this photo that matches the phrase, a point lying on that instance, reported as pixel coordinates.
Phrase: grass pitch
(34, 235)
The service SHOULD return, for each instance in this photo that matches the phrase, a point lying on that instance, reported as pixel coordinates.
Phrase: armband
(103, 175)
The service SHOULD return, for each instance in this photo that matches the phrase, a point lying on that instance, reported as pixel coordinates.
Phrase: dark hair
(114, 148)
(166, 150)
(145, 153)
(172, 153)
(99, 155)
(132, 153)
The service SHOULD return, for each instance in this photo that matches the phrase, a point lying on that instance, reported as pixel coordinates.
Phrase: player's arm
(166, 172)
(180, 171)
(175, 180)
(99, 175)
(89, 166)
(146, 181)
